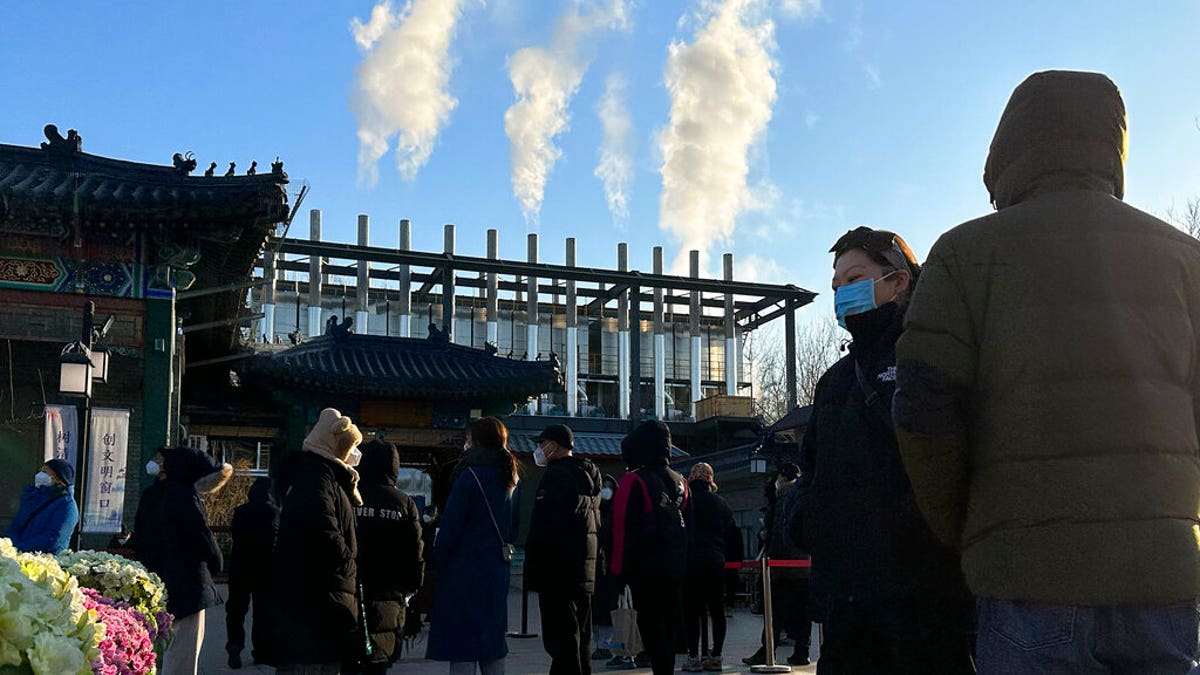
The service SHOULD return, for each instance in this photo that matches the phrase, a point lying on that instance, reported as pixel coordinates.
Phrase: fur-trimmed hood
(189, 465)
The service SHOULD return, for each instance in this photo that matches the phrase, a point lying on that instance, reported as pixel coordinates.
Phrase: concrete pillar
(448, 291)
(267, 326)
(362, 292)
(697, 351)
(660, 344)
(532, 317)
(635, 353)
(731, 348)
(405, 272)
(493, 290)
(790, 353)
(315, 326)
(623, 381)
(572, 363)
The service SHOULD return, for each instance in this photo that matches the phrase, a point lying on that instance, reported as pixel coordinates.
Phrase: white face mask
(427, 519)
(354, 457)
(539, 456)
(606, 493)
(42, 479)
(152, 468)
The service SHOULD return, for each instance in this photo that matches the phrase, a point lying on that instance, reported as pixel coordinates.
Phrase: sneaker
(692, 665)
(235, 659)
(797, 659)
(712, 664)
(602, 654)
(642, 660)
(758, 658)
(620, 663)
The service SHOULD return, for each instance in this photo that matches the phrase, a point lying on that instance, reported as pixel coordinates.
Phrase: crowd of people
(1001, 475)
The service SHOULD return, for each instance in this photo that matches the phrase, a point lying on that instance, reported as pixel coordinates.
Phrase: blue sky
(881, 116)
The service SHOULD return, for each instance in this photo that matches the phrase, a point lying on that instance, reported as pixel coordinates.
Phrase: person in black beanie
(650, 539)
(253, 530)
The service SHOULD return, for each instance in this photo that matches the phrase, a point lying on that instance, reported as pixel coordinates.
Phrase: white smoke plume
(544, 80)
(722, 89)
(615, 167)
(402, 85)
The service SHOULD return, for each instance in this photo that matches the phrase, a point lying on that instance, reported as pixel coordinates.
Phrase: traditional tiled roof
(58, 184)
(587, 444)
(404, 368)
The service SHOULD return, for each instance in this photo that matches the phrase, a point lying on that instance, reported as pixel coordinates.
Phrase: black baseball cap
(559, 433)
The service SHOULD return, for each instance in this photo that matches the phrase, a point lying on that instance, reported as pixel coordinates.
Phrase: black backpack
(661, 549)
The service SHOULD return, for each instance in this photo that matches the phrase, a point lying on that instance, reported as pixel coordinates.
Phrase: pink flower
(127, 648)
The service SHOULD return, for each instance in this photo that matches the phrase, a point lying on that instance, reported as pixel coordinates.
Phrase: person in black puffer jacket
(390, 563)
(650, 538)
(893, 598)
(561, 550)
(315, 552)
(148, 537)
(709, 519)
(255, 524)
(190, 555)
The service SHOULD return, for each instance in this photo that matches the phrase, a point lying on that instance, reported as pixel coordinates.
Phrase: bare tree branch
(818, 346)
(1187, 218)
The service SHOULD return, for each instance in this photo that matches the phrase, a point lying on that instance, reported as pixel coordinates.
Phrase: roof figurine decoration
(403, 368)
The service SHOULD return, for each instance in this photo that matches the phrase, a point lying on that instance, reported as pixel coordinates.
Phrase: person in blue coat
(470, 608)
(47, 514)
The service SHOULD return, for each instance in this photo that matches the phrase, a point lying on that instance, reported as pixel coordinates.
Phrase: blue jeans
(1025, 637)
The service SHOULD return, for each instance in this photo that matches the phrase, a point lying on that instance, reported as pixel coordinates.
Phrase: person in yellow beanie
(316, 549)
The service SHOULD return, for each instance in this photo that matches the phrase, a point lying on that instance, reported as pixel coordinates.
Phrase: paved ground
(525, 657)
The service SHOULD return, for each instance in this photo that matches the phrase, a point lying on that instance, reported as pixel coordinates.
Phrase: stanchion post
(768, 627)
(524, 634)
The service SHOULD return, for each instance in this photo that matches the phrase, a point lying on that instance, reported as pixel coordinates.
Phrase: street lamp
(99, 358)
(76, 370)
(758, 463)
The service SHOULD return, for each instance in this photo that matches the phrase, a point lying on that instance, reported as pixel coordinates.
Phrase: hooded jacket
(1049, 375)
(649, 531)
(190, 555)
(253, 530)
(390, 560)
(148, 536)
(709, 521)
(561, 547)
(315, 555)
(45, 519)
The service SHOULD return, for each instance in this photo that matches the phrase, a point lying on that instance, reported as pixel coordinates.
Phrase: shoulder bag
(506, 549)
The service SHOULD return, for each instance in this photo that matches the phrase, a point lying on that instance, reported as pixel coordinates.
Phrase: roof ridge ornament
(184, 164)
(59, 146)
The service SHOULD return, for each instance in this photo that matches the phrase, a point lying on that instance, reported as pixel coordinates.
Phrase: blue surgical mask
(855, 298)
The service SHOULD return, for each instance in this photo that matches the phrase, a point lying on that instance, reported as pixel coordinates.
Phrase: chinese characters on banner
(109, 440)
(61, 438)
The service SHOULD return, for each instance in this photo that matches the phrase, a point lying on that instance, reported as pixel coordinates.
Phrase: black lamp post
(81, 363)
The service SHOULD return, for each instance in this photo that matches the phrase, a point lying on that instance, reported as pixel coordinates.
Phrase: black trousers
(567, 630)
(902, 637)
(241, 593)
(705, 597)
(657, 602)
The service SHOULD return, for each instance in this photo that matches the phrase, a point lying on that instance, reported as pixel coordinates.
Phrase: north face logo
(888, 374)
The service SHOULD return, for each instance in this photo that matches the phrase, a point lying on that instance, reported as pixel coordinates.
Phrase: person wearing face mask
(316, 549)
(891, 597)
(47, 514)
(148, 536)
(561, 549)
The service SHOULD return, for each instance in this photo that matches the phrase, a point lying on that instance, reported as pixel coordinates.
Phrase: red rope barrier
(755, 564)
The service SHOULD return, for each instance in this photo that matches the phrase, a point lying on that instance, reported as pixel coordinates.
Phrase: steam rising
(402, 84)
(544, 80)
(615, 168)
(722, 88)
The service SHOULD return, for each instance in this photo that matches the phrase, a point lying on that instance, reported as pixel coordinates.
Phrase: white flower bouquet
(44, 626)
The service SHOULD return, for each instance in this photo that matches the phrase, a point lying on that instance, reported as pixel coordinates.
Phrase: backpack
(661, 544)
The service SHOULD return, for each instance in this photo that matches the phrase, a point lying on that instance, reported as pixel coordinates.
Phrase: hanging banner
(107, 448)
(62, 434)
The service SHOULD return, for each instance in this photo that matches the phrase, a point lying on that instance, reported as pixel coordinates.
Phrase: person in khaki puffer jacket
(1048, 392)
